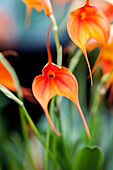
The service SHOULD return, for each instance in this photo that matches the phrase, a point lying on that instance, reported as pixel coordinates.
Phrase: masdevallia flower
(56, 80)
(85, 23)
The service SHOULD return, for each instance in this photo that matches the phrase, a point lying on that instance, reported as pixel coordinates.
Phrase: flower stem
(22, 108)
(38, 135)
(13, 74)
(20, 96)
(48, 135)
(24, 111)
(58, 46)
(54, 142)
(25, 135)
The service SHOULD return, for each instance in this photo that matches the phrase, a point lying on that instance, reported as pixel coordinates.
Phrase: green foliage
(89, 158)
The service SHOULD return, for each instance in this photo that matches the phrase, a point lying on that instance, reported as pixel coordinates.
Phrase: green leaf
(89, 158)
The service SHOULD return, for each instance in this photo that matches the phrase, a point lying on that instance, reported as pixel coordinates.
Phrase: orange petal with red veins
(56, 81)
(85, 23)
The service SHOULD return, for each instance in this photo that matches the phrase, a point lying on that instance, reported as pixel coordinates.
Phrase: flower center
(83, 15)
(50, 74)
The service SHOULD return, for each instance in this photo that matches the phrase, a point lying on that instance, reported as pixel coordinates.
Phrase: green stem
(22, 107)
(58, 46)
(0, 165)
(13, 74)
(54, 141)
(24, 111)
(48, 135)
(25, 135)
(38, 135)
(19, 94)
(75, 60)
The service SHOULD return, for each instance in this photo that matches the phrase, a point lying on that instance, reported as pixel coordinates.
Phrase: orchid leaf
(89, 158)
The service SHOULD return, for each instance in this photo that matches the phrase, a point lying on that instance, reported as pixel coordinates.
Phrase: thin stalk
(0, 165)
(58, 46)
(22, 107)
(20, 96)
(10, 95)
(25, 135)
(13, 74)
(48, 135)
(54, 141)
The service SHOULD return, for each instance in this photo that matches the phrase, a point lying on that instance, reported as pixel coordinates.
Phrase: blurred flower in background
(8, 30)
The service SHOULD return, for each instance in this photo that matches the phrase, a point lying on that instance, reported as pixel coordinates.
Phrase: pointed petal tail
(51, 123)
(84, 121)
(90, 74)
(28, 14)
(98, 59)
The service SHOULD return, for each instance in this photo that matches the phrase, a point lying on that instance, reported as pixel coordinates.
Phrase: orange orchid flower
(38, 5)
(85, 23)
(56, 80)
(106, 6)
(7, 80)
(106, 62)
(107, 67)
(107, 58)
(108, 10)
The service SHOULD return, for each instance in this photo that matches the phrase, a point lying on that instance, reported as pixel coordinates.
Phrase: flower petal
(85, 23)
(6, 79)
(38, 5)
(43, 92)
(56, 81)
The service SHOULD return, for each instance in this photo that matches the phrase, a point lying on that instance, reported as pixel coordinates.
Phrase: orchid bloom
(85, 23)
(106, 62)
(106, 65)
(38, 5)
(56, 80)
(107, 59)
(7, 80)
(108, 11)
(106, 6)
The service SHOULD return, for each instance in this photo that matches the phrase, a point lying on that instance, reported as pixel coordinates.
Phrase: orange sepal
(85, 23)
(108, 11)
(38, 5)
(7, 81)
(56, 80)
